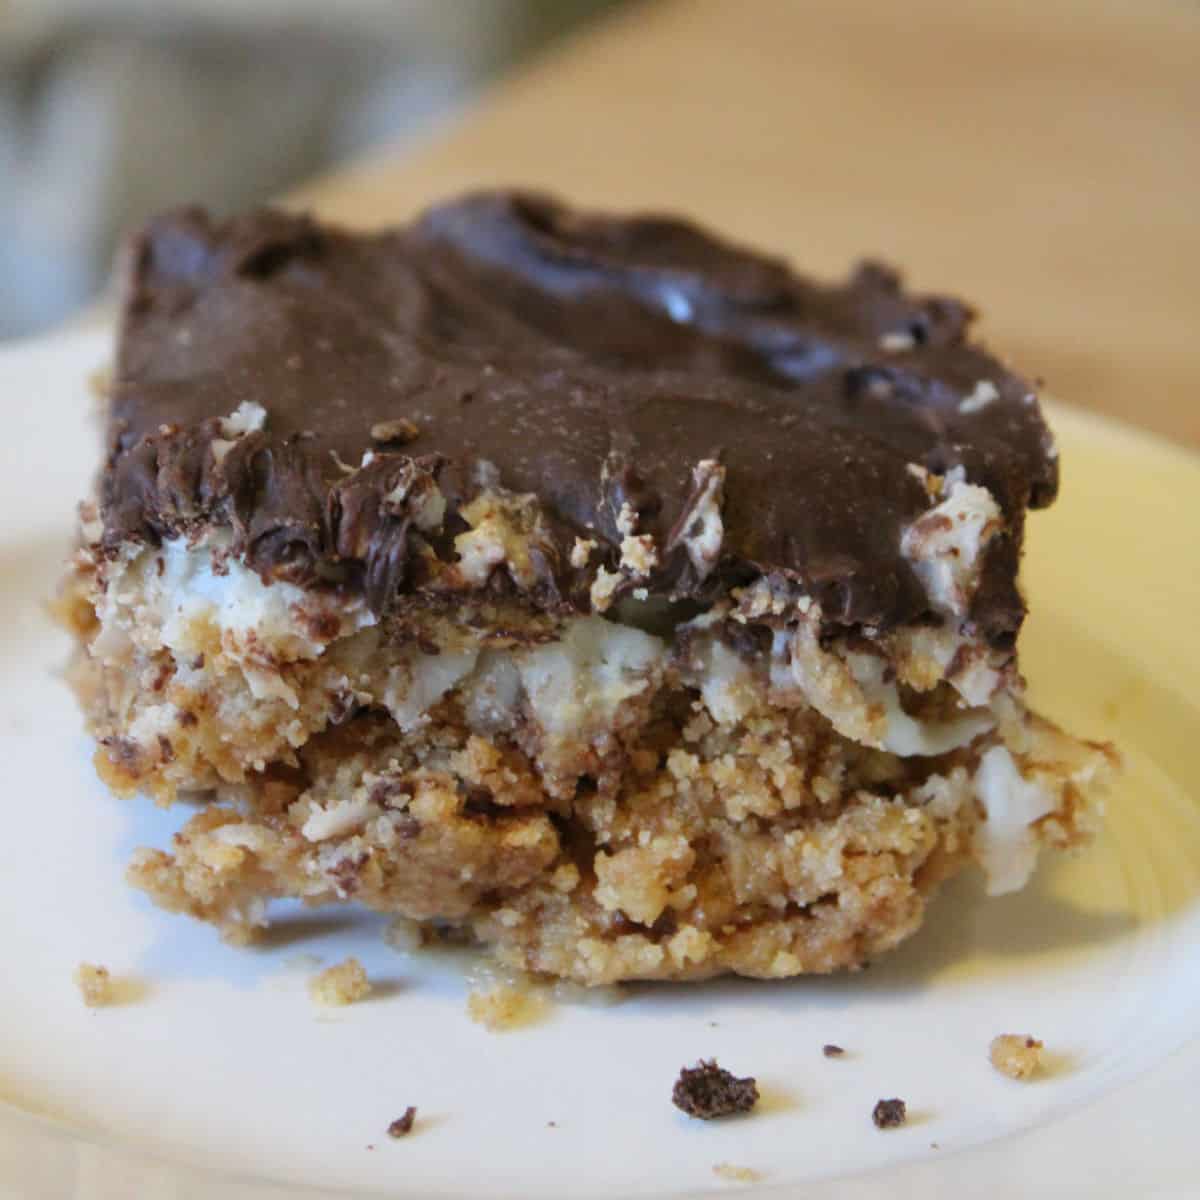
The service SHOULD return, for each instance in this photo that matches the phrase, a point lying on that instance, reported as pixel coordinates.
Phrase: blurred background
(1039, 156)
(112, 109)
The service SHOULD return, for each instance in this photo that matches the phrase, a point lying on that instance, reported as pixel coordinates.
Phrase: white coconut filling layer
(183, 596)
(176, 597)
(571, 687)
(237, 602)
(180, 592)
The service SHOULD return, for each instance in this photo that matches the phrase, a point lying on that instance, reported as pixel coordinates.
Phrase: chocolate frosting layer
(591, 361)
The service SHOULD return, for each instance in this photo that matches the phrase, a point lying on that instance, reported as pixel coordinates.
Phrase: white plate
(223, 1080)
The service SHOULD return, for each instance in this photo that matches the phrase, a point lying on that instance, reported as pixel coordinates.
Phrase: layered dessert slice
(591, 587)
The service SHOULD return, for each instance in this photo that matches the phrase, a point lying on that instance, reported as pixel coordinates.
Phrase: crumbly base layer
(769, 849)
(587, 801)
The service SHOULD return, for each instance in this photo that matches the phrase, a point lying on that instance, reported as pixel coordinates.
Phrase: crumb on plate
(734, 1174)
(95, 984)
(1016, 1055)
(708, 1091)
(889, 1114)
(343, 983)
(402, 1125)
(832, 1051)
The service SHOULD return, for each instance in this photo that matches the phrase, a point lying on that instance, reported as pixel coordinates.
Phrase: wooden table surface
(1039, 157)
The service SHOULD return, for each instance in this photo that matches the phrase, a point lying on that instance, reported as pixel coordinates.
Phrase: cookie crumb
(889, 1114)
(503, 1007)
(736, 1174)
(551, 1124)
(1016, 1055)
(95, 984)
(344, 983)
(708, 1091)
(401, 1125)
(832, 1051)
(402, 431)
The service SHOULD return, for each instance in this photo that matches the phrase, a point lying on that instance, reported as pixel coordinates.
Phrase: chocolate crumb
(402, 431)
(832, 1051)
(708, 1091)
(401, 1125)
(889, 1114)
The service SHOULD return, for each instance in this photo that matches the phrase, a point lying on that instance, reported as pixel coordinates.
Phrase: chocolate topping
(617, 369)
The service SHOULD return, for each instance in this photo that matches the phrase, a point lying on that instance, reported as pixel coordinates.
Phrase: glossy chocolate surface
(592, 361)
